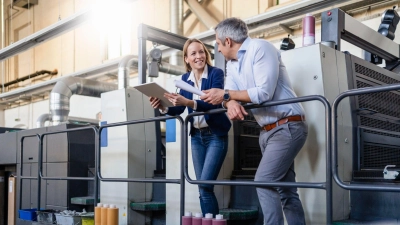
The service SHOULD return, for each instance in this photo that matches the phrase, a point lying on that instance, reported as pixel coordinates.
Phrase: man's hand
(235, 110)
(177, 99)
(156, 103)
(213, 96)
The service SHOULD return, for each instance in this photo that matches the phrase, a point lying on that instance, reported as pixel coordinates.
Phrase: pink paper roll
(219, 220)
(196, 220)
(308, 30)
(187, 218)
(207, 220)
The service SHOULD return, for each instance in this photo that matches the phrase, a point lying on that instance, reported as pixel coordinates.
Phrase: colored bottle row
(198, 219)
(105, 214)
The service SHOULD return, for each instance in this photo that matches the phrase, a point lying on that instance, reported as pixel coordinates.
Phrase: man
(256, 74)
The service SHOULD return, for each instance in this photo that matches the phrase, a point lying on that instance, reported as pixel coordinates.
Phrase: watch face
(226, 96)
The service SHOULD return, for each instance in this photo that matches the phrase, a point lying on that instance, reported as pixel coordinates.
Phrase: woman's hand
(177, 99)
(156, 103)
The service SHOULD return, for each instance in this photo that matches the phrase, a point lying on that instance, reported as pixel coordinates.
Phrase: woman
(209, 133)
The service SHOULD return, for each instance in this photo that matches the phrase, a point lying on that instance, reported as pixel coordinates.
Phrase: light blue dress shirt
(260, 70)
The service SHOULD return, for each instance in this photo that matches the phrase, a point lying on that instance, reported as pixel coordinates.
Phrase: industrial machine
(368, 135)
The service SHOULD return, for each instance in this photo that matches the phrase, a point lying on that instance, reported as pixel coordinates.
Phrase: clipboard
(154, 90)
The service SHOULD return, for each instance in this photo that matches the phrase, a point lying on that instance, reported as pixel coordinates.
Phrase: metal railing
(180, 181)
(339, 98)
(21, 177)
(40, 163)
(327, 185)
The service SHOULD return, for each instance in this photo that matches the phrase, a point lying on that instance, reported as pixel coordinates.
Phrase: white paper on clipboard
(187, 87)
(154, 90)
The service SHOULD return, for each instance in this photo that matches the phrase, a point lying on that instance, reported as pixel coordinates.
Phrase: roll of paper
(207, 220)
(97, 214)
(112, 215)
(187, 87)
(219, 220)
(104, 214)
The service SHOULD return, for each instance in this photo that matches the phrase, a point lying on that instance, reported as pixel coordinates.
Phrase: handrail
(147, 180)
(327, 185)
(40, 163)
(339, 98)
(20, 177)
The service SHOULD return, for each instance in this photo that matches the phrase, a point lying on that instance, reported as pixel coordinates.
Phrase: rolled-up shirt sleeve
(266, 72)
(229, 81)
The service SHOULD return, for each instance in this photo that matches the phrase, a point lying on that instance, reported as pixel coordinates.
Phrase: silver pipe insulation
(64, 89)
(42, 119)
(132, 61)
(171, 69)
(176, 27)
(124, 69)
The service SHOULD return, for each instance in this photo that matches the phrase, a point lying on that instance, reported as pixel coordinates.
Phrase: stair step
(148, 206)
(239, 214)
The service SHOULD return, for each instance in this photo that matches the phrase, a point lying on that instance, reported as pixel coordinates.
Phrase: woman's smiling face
(196, 56)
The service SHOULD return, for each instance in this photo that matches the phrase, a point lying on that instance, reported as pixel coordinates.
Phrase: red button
(329, 13)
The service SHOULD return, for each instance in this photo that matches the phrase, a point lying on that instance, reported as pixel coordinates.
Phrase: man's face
(223, 47)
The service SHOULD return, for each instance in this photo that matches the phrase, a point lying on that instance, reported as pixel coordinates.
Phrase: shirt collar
(243, 47)
(204, 75)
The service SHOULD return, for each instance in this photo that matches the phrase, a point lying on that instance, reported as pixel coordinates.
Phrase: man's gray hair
(233, 28)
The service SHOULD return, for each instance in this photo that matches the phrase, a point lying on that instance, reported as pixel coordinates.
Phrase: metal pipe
(41, 120)
(123, 70)
(64, 89)
(33, 75)
(176, 27)
(171, 69)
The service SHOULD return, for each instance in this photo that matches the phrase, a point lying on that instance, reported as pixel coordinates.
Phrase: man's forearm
(240, 96)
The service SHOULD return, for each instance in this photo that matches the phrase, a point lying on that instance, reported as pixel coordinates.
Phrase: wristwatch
(227, 97)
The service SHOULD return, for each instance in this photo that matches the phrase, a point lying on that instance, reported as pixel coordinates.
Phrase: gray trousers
(279, 147)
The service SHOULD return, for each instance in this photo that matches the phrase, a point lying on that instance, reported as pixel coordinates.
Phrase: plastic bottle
(196, 220)
(207, 220)
(187, 218)
(308, 30)
(219, 220)
(104, 214)
(97, 214)
(112, 215)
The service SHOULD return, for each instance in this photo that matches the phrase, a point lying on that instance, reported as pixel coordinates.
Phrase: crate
(46, 216)
(68, 220)
(27, 214)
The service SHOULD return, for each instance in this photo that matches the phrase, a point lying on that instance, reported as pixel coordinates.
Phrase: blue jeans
(279, 147)
(208, 154)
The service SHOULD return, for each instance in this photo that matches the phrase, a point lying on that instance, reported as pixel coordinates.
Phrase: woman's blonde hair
(185, 47)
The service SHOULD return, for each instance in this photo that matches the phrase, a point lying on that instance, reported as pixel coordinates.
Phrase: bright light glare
(111, 16)
(113, 20)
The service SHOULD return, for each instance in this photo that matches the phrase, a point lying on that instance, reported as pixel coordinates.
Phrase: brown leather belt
(282, 121)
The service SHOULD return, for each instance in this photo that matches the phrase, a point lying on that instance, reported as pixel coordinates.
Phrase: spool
(187, 218)
(97, 214)
(207, 220)
(308, 30)
(104, 214)
(196, 220)
(112, 215)
(219, 220)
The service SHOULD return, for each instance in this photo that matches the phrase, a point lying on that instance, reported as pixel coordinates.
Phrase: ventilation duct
(64, 89)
